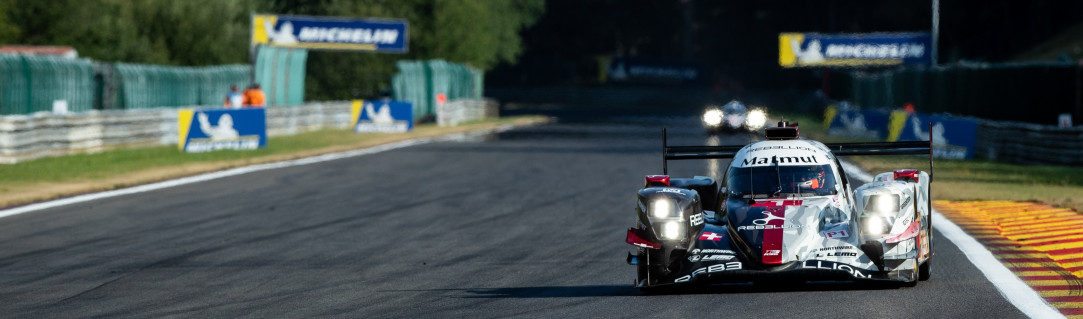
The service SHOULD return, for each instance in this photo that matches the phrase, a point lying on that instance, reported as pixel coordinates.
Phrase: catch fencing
(32, 83)
(143, 86)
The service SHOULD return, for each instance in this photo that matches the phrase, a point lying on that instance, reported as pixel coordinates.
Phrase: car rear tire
(925, 271)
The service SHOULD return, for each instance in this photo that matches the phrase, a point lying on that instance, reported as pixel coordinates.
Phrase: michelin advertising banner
(330, 33)
(382, 116)
(853, 50)
(221, 129)
(953, 138)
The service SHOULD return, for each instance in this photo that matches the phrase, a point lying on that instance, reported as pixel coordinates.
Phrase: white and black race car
(784, 211)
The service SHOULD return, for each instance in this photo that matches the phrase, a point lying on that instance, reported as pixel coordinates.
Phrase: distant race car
(784, 211)
(733, 117)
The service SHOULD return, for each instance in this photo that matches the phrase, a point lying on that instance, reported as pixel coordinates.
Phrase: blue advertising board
(863, 123)
(855, 50)
(382, 116)
(648, 70)
(953, 138)
(330, 33)
(221, 129)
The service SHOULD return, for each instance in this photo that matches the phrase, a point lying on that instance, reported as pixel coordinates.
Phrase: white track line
(238, 171)
(1010, 286)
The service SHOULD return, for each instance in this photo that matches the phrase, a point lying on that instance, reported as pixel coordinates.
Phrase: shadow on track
(628, 290)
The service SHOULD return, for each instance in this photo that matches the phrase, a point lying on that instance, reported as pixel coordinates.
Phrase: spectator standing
(254, 96)
(234, 99)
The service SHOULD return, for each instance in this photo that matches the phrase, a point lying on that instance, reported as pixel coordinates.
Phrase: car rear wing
(867, 148)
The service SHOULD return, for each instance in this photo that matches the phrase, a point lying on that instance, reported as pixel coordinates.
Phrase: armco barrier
(1026, 143)
(26, 137)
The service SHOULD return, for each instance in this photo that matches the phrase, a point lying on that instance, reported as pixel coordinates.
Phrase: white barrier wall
(459, 111)
(26, 137)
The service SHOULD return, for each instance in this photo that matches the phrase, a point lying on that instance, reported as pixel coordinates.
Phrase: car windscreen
(734, 108)
(776, 180)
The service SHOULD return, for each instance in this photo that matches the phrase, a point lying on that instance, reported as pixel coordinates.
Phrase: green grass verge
(1060, 186)
(53, 177)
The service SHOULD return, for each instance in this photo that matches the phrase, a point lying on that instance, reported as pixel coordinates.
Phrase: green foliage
(481, 33)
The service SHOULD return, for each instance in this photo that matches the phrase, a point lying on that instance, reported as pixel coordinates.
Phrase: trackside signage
(382, 116)
(330, 33)
(853, 50)
(212, 130)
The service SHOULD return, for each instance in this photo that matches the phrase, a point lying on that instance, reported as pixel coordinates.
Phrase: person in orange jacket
(254, 96)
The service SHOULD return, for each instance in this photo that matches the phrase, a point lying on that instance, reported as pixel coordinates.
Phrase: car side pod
(636, 238)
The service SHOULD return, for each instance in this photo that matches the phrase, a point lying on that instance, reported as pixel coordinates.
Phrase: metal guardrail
(1026, 143)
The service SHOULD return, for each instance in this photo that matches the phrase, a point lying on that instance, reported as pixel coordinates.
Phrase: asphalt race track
(525, 223)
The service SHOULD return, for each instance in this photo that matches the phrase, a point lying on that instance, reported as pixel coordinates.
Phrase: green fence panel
(215, 82)
(31, 83)
(280, 72)
(411, 84)
(150, 86)
(419, 82)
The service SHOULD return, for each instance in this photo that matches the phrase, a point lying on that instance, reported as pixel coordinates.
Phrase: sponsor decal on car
(694, 258)
(718, 257)
(838, 254)
(671, 190)
(711, 236)
(835, 234)
(695, 220)
(820, 264)
(713, 251)
(836, 248)
(811, 159)
(733, 265)
(763, 223)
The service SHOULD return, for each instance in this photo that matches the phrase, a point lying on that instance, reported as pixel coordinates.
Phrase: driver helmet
(814, 178)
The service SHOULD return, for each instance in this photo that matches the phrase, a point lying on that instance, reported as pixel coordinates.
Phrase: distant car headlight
(756, 119)
(712, 117)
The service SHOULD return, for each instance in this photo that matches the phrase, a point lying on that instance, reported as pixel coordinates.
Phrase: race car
(733, 117)
(784, 211)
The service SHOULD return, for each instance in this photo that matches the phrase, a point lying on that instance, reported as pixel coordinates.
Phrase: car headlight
(879, 215)
(671, 230)
(756, 119)
(712, 117)
(876, 225)
(882, 203)
(662, 208)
